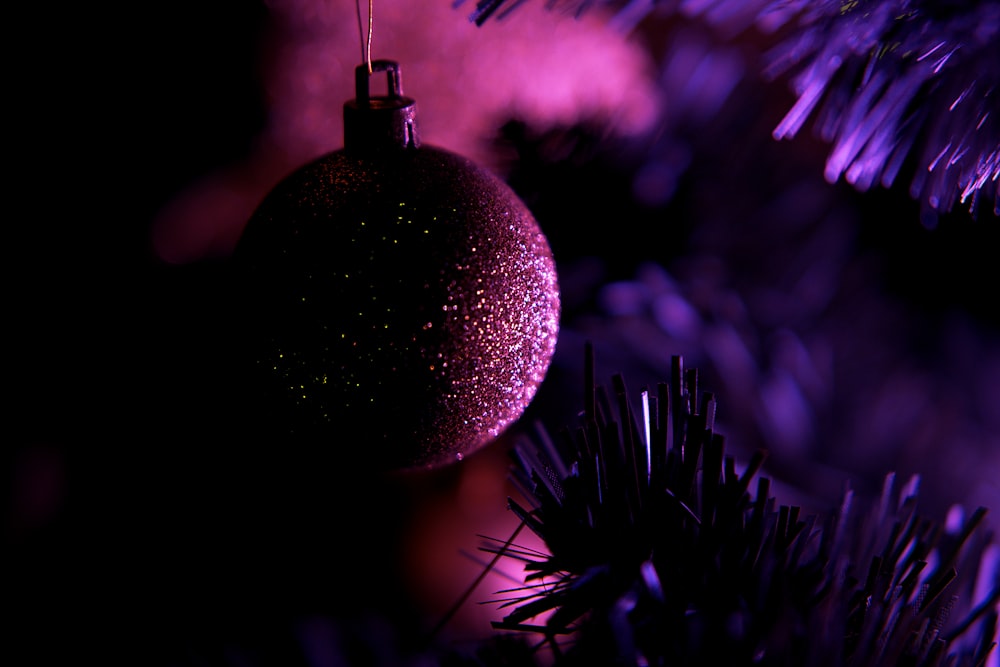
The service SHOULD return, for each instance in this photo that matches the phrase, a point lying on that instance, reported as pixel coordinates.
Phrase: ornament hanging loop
(380, 122)
(362, 80)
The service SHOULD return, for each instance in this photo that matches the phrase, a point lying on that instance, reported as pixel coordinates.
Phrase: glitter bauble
(402, 301)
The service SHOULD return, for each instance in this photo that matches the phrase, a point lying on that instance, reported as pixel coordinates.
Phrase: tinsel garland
(661, 553)
(894, 86)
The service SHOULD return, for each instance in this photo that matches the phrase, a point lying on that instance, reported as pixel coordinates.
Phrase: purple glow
(466, 80)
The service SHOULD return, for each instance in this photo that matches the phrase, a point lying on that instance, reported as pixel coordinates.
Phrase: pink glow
(467, 80)
(442, 560)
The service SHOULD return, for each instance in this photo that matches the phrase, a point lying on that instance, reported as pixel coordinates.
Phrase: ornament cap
(381, 122)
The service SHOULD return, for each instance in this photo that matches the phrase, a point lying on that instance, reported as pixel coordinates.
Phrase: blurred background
(852, 332)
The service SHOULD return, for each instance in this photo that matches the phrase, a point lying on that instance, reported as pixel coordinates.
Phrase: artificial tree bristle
(658, 553)
(893, 86)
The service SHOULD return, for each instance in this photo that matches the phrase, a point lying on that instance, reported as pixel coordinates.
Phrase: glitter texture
(405, 304)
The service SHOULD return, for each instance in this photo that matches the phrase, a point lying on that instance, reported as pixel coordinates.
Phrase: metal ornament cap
(373, 123)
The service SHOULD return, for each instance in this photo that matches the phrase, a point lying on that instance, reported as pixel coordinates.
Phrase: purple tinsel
(894, 86)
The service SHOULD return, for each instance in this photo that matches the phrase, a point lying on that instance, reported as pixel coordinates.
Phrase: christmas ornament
(401, 301)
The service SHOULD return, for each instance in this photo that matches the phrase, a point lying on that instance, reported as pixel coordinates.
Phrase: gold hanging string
(366, 40)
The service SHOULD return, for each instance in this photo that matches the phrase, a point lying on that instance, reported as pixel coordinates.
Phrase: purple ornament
(401, 301)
